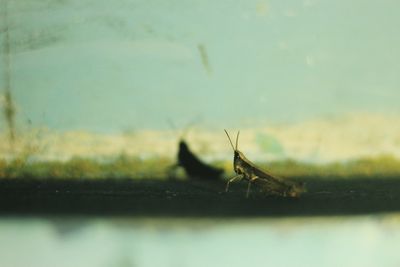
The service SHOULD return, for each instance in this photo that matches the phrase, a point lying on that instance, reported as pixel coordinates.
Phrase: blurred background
(105, 89)
(306, 80)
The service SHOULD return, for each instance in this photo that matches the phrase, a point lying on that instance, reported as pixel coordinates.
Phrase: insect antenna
(230, 141)
(181, 132)
(237, 139)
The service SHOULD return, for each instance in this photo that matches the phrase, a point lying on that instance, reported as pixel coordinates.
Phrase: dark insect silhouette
(193, 166)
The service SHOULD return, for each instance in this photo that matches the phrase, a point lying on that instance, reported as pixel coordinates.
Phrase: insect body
(247, 170)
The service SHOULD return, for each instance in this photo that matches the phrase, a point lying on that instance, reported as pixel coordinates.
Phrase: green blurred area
(120, 167)
(384, 165)
(125, 166)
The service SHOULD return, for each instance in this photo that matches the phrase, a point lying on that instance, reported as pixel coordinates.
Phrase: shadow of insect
(193, 166)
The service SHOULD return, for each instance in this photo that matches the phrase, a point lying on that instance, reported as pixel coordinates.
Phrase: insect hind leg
(231, 180)
(249, 184)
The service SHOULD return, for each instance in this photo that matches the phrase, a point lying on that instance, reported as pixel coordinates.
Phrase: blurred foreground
(366, 241)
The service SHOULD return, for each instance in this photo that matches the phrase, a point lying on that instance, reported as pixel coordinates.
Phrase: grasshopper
(247, 170)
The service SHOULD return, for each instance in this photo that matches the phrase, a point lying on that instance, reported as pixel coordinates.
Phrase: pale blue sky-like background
(109, 66)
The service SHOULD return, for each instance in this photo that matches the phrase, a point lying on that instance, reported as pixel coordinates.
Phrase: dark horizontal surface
(194, 198)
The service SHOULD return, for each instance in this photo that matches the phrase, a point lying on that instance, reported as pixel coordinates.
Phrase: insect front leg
(231, 180)
(251, 180)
